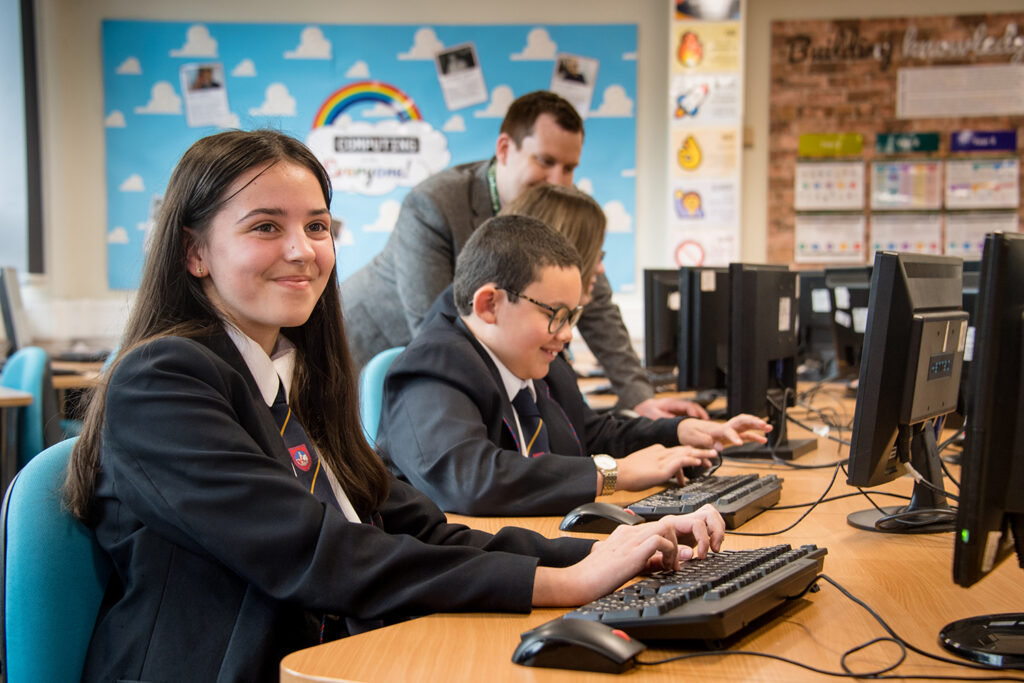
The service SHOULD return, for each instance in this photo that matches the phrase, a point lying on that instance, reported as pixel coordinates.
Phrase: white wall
(72, 299)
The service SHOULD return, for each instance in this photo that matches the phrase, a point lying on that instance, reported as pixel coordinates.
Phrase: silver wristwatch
(609, 468)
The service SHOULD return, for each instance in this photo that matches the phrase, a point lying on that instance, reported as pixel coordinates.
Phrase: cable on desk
(905, 517)
(798, 520)
(839, 497)
(877, 674)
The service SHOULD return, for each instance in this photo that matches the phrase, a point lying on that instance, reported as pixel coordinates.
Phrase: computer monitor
(762, 355)
(16, 328)
(990, 519)
(909, 375)
(849, 290)
(703, 356)
(815, 349)
(661, 318)
(972, 278)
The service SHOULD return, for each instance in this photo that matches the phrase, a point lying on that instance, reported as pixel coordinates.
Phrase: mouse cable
(798, 520)
(838, 497)
(878, 674)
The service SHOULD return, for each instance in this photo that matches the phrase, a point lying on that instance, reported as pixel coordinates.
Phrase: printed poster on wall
(382, 106)
(705, 132)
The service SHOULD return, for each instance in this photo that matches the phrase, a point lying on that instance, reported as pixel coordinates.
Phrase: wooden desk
(907, 579)
(86, 375)
(10, 401)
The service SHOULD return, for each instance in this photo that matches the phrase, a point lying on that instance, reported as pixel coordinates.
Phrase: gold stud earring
(199, 270)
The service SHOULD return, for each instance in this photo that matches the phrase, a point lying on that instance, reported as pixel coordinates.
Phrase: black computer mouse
(578, 644)
(598, 518)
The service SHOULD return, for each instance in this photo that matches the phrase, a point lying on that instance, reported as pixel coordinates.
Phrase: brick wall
(838, 76)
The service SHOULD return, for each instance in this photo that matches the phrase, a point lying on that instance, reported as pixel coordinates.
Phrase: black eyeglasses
(560, 317)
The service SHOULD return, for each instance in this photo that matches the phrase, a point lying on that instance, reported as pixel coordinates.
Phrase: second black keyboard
(738, 497)
(708, 599)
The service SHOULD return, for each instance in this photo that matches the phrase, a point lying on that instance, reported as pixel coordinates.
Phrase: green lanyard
(492, 185)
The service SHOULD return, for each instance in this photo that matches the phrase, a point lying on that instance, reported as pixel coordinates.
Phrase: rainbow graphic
(366, 91)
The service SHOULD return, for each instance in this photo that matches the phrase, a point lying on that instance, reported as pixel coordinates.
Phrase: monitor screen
(661, 318)
(909, 375)
(990, 518)
(16, 328)
(703, 328)
(849, 289)
(762, 354)
(815, 354)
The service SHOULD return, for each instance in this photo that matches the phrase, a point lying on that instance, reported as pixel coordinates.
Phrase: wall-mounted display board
(382, 106)
(906, 185)
(982, 183)
(705, 132)
(891, 82)
(834, 185)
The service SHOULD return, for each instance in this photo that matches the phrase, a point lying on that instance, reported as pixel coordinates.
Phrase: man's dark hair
(523, 113)
(509, 251)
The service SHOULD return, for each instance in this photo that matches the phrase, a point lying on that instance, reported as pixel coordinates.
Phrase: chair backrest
(28, 369)
(54, 575)
(371, 390)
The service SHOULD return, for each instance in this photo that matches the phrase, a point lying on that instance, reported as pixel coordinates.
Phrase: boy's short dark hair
(523, 112)
(509, 251)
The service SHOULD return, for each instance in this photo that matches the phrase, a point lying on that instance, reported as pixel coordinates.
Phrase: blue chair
(54, 575)
(28, 369)
(371, 390)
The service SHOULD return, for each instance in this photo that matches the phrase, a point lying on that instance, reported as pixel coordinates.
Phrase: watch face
(605, 462)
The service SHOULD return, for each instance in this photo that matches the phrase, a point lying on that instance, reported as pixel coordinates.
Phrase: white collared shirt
(272, 371)
(513, 385)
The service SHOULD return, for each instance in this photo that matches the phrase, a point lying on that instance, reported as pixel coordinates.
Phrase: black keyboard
(738, 497)
(97, 356)
(708, 599)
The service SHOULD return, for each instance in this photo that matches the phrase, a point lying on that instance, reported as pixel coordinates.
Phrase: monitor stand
(928, 512)
(778, 446)
(991, 639)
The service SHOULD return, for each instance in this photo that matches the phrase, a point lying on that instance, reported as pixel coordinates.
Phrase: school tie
(534, 431)
(305, 460)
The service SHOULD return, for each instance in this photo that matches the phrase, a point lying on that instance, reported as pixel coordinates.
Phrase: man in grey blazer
(385, 302)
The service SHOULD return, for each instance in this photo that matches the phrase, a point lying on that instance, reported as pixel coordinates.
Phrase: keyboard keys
(737, 497)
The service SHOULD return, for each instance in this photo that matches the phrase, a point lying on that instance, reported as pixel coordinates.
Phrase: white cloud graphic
(629, 56)
(586, 185)
(539, 46)
(379, 110)
(425, 44)
(229, 121)
(615, 104)
(115, 119)
(277, 102)
(619, 219)
(386, 217)
(132, 183)
(129, 67)
(455, 124)
(372, 174)
(501, 98)
(162, 100)
(358, 70)
(345, 238)
(628, 173)
(245, 68)
(117, 236)
(312, 45)
(198, 43)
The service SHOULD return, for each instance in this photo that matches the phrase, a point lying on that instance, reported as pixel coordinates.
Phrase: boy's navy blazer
(224, 562)
(447, 427)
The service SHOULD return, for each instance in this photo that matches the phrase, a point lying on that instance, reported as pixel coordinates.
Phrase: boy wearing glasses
(483, 414)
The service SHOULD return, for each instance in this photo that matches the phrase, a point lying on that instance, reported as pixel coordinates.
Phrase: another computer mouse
(598, 518)
(578, 644)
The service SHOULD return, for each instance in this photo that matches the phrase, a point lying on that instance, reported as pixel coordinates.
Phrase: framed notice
(982, 184)
(827, 185)
(907, 184)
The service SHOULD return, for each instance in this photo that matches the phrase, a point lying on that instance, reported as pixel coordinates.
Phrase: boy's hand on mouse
(657, 464)
(717, 435)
